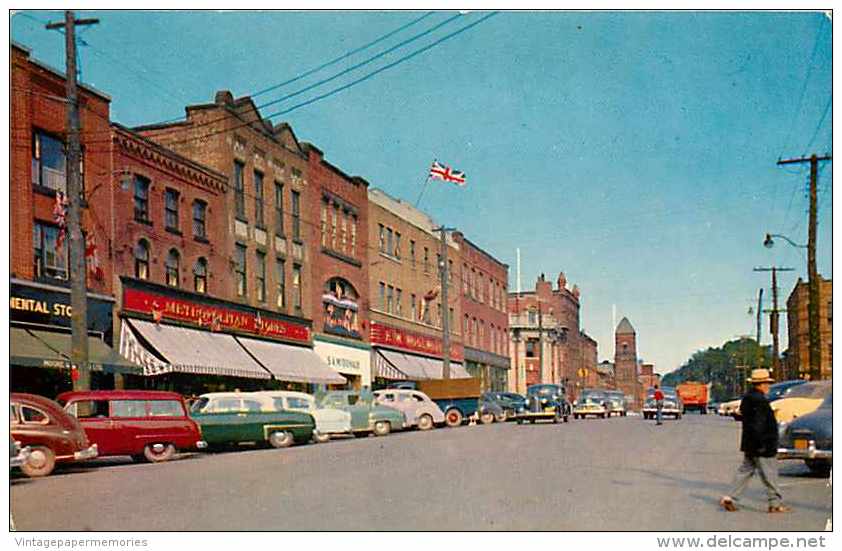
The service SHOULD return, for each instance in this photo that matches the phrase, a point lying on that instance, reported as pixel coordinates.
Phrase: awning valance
(292, 363)
(391, 364)
(53, 349)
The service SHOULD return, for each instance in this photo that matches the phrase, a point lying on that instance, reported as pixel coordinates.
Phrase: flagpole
(424, 187)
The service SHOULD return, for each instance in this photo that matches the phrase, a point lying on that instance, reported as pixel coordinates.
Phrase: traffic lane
(585, 475)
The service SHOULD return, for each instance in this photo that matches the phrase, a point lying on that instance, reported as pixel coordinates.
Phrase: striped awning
(295, 364)
(394, 365)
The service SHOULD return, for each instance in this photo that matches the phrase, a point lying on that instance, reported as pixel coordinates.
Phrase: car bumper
(88, 453)
(20, 458)
(537, 414)
(593, 411)
(810, 452)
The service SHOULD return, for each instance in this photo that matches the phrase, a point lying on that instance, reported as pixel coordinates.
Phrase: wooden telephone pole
(445, 315)
(76, 239)
(773, 317)
(812, 272)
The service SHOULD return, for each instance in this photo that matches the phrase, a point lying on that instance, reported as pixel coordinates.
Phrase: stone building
(797, 362)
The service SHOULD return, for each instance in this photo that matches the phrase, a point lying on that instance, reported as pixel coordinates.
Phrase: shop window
(50, 257)
(141, 198)
(258, 198)
(240, 269)
(200, 209)
(296, 287)
(280, 282)
(49, 163)
(172, 268)
(279, 209)
(340, 303)
(141, 259)
(171, 210)
(200, 276)
(239, 190)
(260, 270)
(296, 215)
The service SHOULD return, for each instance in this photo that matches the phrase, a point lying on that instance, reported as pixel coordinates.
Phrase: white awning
(188, 351)
(392, 364)
(292, 363)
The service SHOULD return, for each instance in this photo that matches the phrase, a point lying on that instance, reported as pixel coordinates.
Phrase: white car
(418, 410)
(329, 421)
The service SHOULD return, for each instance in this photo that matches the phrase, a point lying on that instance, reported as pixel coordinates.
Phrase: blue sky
(634, 151)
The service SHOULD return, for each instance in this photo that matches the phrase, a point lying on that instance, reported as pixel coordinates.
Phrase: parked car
(232, 418)
(17, 454)
(545, 401)
(329, 421)
(52, 435)
(590, 402)
(810, 437)
(490, 411)
(801, 400)
(366, 415)
(730, 408)
(510, 402)
(673, 407)
(418, 409)
(147, 425)
(616, 403)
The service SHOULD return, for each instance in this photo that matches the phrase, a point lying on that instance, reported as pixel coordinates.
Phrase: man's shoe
(728, 504)
(779, 509)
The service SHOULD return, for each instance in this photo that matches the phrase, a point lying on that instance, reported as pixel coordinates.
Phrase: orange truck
(695, 395)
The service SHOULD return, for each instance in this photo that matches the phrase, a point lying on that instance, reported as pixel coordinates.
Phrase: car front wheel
(382, 428)
(281, 439)
(453, 418)
(158, 452)
(320, 437)
(41, 462)
(486, 418)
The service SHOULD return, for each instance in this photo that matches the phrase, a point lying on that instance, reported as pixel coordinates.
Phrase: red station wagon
(52, 435)
(145, 424)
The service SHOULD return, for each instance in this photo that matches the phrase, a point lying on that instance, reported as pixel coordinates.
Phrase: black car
(810, 437)
(780, 390)
(490, 410)
(545, 401)
(510, 403)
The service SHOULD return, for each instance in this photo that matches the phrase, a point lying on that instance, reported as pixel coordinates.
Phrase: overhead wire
(819, 125)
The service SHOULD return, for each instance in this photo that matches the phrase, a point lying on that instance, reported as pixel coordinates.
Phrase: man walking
(659, 405)
(759, 444)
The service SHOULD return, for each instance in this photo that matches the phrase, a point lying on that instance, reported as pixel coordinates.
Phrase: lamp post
(812, 302)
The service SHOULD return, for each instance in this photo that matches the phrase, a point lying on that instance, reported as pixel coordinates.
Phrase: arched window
(339, 301)
(200, 276)
(172, 268)
(141, 259)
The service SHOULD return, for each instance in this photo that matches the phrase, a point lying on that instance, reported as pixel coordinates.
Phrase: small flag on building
(442, 172)
(92, 257)
(60, 217)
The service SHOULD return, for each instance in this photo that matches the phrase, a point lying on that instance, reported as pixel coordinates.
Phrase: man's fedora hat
(760, 376)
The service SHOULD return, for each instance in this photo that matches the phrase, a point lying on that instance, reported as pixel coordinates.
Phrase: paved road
(617, 474)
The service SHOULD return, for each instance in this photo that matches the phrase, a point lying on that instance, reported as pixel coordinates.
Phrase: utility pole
(812, 272)
(759, 316)
(76, 240)
(773, 316)
(445, 316)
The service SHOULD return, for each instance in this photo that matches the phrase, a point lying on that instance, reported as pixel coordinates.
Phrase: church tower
(625, 353)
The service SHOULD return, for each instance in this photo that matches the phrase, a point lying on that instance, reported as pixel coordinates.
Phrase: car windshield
(815, 390)
(543, 390)
(512, 396)
(778, 391)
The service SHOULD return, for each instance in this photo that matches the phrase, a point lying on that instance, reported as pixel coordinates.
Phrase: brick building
(405, 306)
(626, 364)
(340, 290)
(647, 376)
(485, 322)
(798, 328)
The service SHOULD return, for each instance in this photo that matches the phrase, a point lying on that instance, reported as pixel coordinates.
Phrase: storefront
(351, 360)
(193, 344)
(40, 340)
(401, 355)
(491, 369)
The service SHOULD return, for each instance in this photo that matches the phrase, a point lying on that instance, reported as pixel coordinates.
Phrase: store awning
(391, 364)
(187, 351)
(292, 363)
(53, 349)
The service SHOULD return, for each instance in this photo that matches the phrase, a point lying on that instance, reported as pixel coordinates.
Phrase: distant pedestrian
(659, 405)
(759, 444)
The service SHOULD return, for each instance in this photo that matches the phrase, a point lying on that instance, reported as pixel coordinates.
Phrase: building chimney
(224, 97)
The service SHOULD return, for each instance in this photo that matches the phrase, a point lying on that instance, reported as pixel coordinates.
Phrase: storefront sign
(407, 340)
(29, 304)
(212, 317)
(347, 360)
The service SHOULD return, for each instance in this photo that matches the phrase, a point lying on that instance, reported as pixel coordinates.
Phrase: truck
(459, 399)
(695, 395)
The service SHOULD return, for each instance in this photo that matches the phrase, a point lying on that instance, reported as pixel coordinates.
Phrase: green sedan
(230, 418)
(366, 416)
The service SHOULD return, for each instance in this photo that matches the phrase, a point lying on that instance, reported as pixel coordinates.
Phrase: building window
(258, 198)
(390, 241)
(171, 209)
(296, 286)
(260, 270)
(465, 326)
(413, 306)
(830, 311)
(172, 268)
(533, 317)
(296, 215)
(199, 215)
(438, 315)
(280, 279)
(382, 296)
(465, 287)
(354, 235)
(49, 164)
(200, 276)
(324, 223)
(239, 190)
(449, 270)
(141, 259)
(390, 298)
(279, 209)
(450, 319)
(531, 348)
(412, 251)
(382, 238)
(141, 198)
(398, 302)
(426, 260)
(334, 214)
(240, 269)
(50, 258)
(345, 231)
(340, 304)
(397, 251)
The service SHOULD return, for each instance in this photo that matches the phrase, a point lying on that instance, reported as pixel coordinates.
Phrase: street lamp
(813, 301)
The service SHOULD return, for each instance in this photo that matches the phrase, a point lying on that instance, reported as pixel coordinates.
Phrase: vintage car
(810, 437)
(52, 435)
(420, 411)
(148, 425)
(366, 415)
(673, 407)
(782, 389)
(329, 421)
(616, 403)
(801, 400)
(509, 402)
(232, 418)
(591, 402)
(545, 401)
(17, 454)
(730, 408)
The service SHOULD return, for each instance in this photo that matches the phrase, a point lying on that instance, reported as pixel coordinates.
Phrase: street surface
(616, 474)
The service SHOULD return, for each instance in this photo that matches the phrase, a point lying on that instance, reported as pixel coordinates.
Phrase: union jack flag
(442, 172)
(60, 217)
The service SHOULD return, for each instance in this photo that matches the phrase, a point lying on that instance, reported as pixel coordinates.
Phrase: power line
(818, 126)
